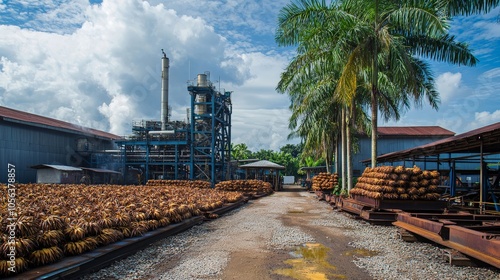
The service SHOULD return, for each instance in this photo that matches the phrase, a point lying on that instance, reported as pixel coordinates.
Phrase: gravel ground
(204, 251)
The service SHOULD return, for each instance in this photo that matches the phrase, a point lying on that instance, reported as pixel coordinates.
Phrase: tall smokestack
(164, 90)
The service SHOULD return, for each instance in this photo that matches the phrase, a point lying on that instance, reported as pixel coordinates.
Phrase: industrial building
(28, 140)
(198, 149)
(394, 138)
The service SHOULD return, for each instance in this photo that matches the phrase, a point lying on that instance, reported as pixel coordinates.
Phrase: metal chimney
(164, 90)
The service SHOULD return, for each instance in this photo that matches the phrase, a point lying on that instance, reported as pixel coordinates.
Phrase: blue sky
(97, 64)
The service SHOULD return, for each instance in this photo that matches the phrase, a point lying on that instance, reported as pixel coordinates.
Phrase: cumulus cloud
(111, 61)
(448, 85)
(260, 115)
(485, 118)
(99, 65)
(266, 129)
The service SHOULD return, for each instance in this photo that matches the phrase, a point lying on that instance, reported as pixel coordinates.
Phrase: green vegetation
(357, 59)
(289, 156)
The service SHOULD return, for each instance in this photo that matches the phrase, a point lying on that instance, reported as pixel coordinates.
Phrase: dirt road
(275, 237)
(288, 235)
(328, 257)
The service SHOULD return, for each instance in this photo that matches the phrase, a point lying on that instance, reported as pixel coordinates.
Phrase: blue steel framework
(158, 154)
(199, 150)
(210, 133)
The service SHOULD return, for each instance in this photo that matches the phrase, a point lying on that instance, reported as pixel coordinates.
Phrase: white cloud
(260, 114)
(448, 85)
(485, 118)
(488, 30)
(488, 85)
(118, 112)
(99, 65)
(113, 60)
(261, 128)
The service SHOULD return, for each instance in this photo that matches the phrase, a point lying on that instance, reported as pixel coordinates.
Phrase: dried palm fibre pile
(389, 182)
(325, 181)
(54, 221)
(248, 187)
(182, 183)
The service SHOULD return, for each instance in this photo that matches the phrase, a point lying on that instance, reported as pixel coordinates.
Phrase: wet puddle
(310, 263)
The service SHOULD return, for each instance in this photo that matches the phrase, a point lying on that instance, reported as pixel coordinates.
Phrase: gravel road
(289, 235)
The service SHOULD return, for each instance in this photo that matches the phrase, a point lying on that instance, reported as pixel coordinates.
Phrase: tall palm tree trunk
(374, 126)
(348, 121)
(343, 146)
(374, 104)
(336, 163)
(327, 157)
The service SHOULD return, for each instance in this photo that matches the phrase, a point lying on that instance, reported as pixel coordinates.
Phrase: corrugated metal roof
(57, 167)
(99, 170)
(468, 142)
(8, 114)
(414, 131)
(263, 164)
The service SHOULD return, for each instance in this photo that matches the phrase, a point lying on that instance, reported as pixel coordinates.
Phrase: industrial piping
(164, 91)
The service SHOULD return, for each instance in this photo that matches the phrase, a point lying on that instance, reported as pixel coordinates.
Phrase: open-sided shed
(101, 176)
(479, 146)
(264, 170)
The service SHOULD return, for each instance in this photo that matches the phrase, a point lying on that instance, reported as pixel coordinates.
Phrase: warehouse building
(394, 138)
(28, 140)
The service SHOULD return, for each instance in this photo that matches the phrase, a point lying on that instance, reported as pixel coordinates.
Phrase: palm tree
(374, 44)
(240, 151)
(314, 117)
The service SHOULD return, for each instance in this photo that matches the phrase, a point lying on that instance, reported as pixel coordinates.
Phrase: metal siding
(387, 145)
(26, 146)
(48, 176)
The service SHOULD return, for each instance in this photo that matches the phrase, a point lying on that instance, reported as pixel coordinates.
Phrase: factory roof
(313, 168)
(57, 167)
(99, 170)
(486, 138)
(12, 115)
(414, 131)
(263, 164)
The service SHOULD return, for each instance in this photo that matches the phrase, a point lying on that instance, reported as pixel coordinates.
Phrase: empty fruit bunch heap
(325, 181)
(54, 221)
(248, 187)
(180, 183)
(388, 182)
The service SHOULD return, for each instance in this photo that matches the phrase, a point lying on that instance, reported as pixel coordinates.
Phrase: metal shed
(479, 147)
(396, 138)
(101, 176)
(27, 139)
(264, 170)
(57, 174)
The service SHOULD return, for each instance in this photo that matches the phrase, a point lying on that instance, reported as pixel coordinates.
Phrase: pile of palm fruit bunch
(389, 182)
(325, 181)
(54, 221)
(181, 183)
(247, 187)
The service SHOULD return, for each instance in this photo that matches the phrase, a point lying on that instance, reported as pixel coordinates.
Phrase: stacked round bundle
(251, 187)
(325, 181)
(180, 183)
(54, 221)
(388, 182)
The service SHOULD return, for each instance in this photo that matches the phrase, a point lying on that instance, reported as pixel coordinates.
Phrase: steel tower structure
(210, 133)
